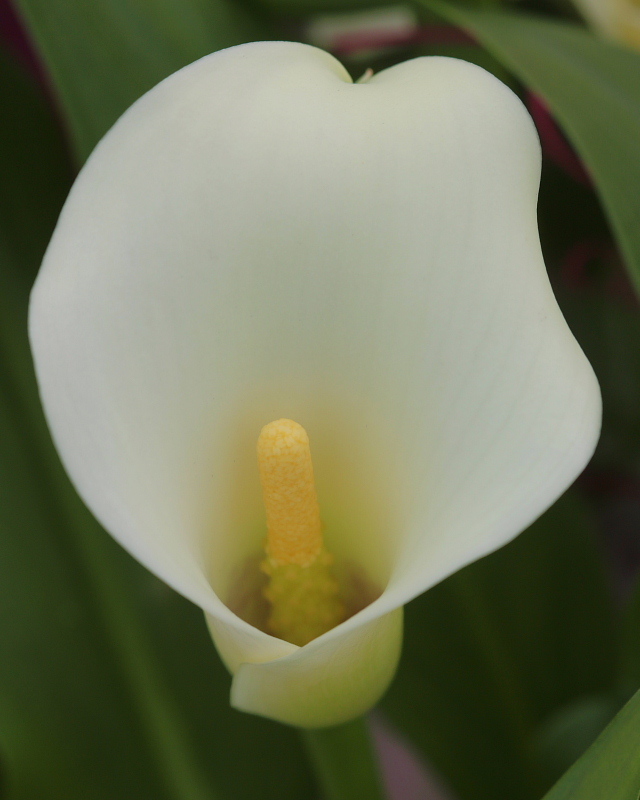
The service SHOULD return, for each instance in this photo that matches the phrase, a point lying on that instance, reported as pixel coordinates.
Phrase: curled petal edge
(327, 682)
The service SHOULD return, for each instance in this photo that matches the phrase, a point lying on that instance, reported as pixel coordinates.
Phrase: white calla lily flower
(258, 237)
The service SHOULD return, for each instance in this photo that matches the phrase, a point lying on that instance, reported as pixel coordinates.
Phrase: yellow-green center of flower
(302, 592)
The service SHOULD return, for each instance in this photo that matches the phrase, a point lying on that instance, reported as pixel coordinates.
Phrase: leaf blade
(610, 768)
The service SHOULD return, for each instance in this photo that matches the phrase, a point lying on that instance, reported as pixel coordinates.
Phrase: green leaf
(610, 768)
(301, 8)
(103, 54)
(568, 733)
(497, 648)
(593, 89)
(109, 683)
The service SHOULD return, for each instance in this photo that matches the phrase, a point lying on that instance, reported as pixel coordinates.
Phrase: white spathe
(258, 237)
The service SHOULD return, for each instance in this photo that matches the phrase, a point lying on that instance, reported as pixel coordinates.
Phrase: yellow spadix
(303, 594)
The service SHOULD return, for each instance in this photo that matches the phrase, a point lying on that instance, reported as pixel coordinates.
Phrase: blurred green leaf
(109, 683)
(103, 54)
(495, 649)
(567, 734)
(610, 768)
(593, 89)
(302, 8)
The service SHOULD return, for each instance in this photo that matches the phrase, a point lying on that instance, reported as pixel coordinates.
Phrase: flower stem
(344, 761)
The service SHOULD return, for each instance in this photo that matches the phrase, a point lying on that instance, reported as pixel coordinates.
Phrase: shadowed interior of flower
(298, 592)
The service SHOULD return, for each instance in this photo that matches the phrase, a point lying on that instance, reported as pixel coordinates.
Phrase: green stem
(345, 762)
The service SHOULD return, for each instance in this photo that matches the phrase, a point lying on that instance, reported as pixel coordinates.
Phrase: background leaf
(593, 90)
(101, 55)
(610, 768)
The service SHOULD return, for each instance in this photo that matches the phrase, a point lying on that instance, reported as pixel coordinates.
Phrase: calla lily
(258, 237)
